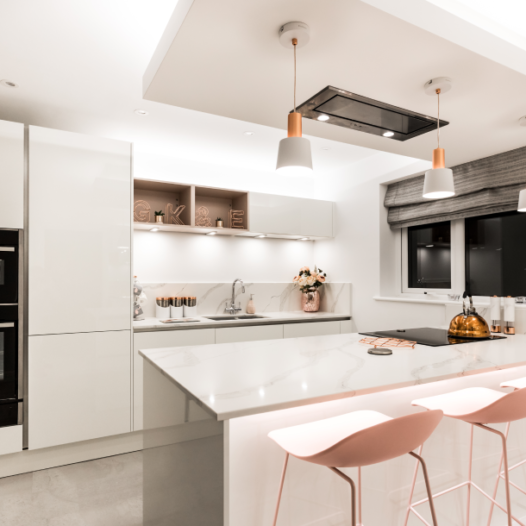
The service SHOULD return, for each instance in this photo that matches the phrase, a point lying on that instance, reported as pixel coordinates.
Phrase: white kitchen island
(208, 410)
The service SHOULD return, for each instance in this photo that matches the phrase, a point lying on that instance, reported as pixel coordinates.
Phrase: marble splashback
(268, 297)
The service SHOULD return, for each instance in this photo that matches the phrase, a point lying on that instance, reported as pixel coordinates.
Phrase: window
(429, 256)
(496, 254)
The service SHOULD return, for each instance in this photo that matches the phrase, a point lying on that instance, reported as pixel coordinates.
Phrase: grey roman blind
(486, 186)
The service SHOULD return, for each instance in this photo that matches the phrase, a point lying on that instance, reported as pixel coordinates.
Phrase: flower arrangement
(310, 281)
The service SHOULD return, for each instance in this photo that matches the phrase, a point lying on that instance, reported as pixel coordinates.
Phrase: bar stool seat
(478, 406)
(357, 439)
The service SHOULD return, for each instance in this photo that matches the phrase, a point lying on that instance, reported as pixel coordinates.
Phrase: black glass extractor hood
(353, 111)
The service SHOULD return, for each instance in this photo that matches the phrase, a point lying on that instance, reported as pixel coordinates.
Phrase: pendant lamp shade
(294, 153)
(294, 157)
(438, 183)
(522, 201)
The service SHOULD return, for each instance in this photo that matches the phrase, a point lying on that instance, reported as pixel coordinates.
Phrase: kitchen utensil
(468, 324)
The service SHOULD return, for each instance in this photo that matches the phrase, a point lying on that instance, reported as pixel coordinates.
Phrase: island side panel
(183, 458)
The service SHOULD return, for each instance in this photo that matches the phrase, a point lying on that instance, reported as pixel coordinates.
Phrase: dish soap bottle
(251, 307)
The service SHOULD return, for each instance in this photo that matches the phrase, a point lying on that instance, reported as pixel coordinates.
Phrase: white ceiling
(79, 67)
(226, 60)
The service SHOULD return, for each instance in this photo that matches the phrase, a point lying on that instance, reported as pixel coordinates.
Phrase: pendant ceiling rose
(298, 30)
(444, 84)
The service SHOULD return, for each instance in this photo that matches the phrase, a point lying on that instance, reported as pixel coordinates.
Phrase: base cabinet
(155, 340)
(322, 328)
(249, 334)
(79, 387)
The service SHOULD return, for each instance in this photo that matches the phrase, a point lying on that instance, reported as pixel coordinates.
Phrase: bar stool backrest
(381, 442)
(509, 408)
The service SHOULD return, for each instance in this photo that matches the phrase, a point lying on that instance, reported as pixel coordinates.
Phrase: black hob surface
(427, 336)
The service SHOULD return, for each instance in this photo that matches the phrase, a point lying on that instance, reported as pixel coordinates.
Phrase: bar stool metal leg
(506, 473)
(470, 465)
(412, 490)
(428, 486)
(359, 498)
(353, 493)
(498, 476)
(281, 488)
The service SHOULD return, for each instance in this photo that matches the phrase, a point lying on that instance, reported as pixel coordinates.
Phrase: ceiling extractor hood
(349, 110)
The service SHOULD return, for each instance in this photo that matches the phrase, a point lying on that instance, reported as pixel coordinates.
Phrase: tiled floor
(105, 492)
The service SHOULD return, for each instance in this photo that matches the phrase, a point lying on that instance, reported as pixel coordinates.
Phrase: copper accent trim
(439, 158)
(509, 330)
(294, 124)
(495, 328)
(294, 41)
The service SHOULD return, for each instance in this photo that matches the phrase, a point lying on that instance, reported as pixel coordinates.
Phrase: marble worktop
(268, 318)
(239, 379)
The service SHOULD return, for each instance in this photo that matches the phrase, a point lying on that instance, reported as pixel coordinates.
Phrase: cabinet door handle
(7, 249)
(6, 325)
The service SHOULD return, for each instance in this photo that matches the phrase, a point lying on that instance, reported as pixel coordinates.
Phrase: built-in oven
(11, 330)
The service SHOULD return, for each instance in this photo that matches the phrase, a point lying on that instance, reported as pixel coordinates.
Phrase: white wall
(175, 258)
(364, 250)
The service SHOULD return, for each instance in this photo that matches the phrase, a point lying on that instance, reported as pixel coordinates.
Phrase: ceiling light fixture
(326, 148)
(142, 113)
(303, 239)
(8, 83)
(261, 236)
(323, 118)
(522, 201)
(438, 182)
(153, 229)
(248, 133)
(388, 134)
(211, 233)
(294, 154)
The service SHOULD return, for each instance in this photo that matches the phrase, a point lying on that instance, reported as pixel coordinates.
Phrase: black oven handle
(7, 249)
(6, 325)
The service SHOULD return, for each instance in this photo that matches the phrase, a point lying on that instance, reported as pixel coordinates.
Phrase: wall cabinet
(11, 175)
(79, 387)
(153, 340)
(277, 214)
(79, 233)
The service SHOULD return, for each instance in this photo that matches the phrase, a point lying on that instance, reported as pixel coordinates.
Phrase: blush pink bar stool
(477, 406)
(357, 439)
(520, 383)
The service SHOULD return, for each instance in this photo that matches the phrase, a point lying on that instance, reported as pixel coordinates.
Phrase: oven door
(9, 266)
(8, 354)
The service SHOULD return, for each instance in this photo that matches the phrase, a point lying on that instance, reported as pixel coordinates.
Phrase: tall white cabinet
(11, 175)
(79, 362)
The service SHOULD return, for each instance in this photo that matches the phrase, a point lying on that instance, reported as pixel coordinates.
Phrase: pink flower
(321, 279)
(295, 279)
(304, 269)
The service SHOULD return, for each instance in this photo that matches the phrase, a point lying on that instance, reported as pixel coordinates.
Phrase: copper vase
(310, 301)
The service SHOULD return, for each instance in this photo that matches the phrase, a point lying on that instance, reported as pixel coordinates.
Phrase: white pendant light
(438, 182)
(294, 154)
(522, 201)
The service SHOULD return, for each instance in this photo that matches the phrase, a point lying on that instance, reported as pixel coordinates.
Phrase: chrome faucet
(232, 309)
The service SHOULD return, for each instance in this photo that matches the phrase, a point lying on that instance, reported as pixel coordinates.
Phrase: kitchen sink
(227, 317)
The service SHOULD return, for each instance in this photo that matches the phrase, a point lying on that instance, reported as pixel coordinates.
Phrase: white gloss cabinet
(154, 340)
(79, 233)
(249, 334)
(282, 215)
(79, 387)
(321, 328)
(11, 175)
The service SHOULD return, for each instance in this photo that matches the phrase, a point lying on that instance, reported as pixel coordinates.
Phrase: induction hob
(427, 336)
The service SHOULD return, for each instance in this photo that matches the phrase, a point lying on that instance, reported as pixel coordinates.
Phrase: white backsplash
(268, 297)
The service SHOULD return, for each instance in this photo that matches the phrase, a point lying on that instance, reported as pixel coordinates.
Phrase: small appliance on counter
(468, 324)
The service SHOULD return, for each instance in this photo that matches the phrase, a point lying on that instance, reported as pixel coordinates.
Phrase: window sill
(400, 299)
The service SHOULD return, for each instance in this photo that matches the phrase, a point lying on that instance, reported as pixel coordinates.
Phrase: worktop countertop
(270, 318)
(239, 379)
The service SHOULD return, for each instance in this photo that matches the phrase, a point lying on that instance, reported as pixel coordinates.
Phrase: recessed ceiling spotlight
(141, 112)
(323, 118)
(326, 148)
(303, 239)
(388, 134)
(153, 229)
(211, 233)
(8, 83)
(261, 235)
(430, 246)
(248, 133)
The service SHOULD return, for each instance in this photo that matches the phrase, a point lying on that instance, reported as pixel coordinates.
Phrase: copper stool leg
(281, 488)
(428, 486)
(353, 493)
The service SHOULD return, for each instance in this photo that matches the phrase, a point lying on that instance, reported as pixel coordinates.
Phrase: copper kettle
(468, 324)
